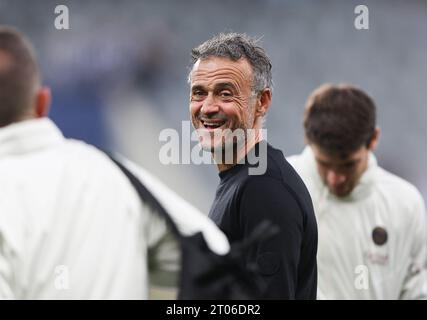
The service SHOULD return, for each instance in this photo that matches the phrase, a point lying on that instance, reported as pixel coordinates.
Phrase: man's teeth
(213, 124)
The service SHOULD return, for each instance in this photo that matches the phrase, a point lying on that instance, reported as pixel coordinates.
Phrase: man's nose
(334, 178)
(209, 105)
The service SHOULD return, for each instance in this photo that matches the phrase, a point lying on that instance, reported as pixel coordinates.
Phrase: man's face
(341, 174)
(221, 98)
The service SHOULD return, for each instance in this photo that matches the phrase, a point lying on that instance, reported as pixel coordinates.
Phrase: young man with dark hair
(231, 91)
(372, 224)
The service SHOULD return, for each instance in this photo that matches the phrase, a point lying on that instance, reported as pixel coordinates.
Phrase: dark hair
(339, 119)
(236, 46)
(19, 75)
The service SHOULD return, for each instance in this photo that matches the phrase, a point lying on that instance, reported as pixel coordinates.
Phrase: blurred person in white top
(372, 224)
(71, 224)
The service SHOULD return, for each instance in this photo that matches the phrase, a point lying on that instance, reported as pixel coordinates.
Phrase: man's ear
(375, 138)
(42, 102)
(263, 103)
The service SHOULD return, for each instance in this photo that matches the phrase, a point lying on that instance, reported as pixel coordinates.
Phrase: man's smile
(213, 124)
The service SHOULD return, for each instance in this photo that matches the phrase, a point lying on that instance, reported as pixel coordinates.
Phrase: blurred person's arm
(163, 259)
(10, 242)
(320, 295)
(415, 283)
(6, 270)
(164, 250)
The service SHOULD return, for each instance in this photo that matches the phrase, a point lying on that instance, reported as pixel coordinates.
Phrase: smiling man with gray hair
(231, 91)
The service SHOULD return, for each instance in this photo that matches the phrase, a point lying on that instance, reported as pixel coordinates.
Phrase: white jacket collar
(363, 188)
(28, 135)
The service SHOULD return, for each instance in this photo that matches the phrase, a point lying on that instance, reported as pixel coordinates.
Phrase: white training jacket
(73, 227)
(350, 263)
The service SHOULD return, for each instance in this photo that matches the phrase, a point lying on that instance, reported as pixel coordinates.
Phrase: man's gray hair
(236, 46)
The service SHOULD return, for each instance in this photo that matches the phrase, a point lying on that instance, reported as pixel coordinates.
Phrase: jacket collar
(29, 135)
(363, 188)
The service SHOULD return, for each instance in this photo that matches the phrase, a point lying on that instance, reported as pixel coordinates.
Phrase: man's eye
(323, 165)
(225, 94)
(198, 94)
(348, 165)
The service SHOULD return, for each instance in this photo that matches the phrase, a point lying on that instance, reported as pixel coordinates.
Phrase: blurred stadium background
(119, 74)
